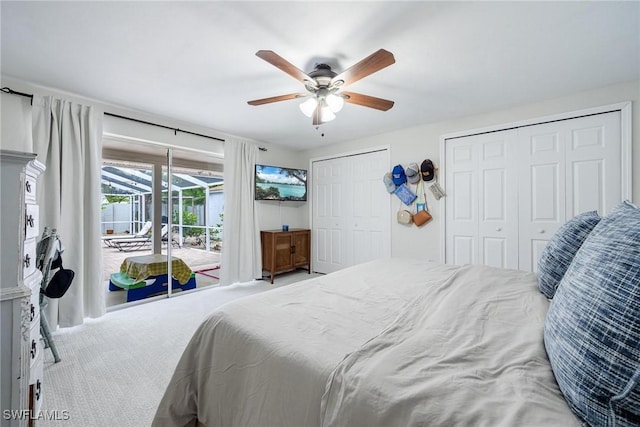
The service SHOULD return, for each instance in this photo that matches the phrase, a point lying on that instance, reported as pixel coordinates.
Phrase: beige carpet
(114, 369)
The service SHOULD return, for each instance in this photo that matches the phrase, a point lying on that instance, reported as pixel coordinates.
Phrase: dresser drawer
(35, 346)
(29, 257)
(34, 309)
(31, 223)
(36, 376)
(33, 283)
(30, 189)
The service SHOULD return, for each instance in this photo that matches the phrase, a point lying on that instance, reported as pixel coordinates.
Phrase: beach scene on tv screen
(276, 183)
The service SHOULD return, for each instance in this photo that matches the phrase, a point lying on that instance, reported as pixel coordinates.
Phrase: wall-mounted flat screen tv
(277, 183)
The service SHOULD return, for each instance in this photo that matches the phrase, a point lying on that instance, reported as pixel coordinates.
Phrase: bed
(321, 352)
(401, 342)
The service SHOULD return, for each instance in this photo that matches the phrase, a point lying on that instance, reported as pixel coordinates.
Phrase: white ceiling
(195, 61)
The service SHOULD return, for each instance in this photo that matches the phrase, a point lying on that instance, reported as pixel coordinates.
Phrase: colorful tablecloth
(141, 267)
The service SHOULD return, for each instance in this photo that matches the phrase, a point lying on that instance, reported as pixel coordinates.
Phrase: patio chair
(144, 231)
(134, 244)
(175, 243)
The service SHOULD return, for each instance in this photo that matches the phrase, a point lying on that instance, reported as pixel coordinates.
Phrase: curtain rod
(175, 130)
(13, 92)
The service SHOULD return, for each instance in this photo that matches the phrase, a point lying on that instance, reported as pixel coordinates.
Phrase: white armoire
(21, 347)
(509, 190)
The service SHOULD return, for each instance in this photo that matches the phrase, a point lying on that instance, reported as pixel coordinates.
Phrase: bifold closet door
(331, 194)
(481, 206)
(509, 191)
(566, 168)
(350, 212)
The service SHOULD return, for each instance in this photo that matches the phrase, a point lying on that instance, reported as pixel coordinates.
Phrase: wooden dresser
(285, 250)
(22, 350)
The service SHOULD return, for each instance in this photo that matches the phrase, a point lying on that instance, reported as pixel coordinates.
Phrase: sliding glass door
(193, 198)
(162, 227)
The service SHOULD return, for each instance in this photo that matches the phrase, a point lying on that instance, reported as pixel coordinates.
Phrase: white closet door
(498, 189)
(567, 167)
(542, 188)
(508, 192)
(351, 211)
(594, 164)
(368, 232)
(330, 214)
(482, 225)
(461, 202)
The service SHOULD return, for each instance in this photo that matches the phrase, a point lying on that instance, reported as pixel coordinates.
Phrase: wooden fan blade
(277, 98)
(369, 65)
(276, 60)
(367, 101)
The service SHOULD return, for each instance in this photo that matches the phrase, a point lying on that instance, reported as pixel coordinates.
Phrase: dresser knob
(34, 348)
(498, 229)
(38, 389)
(27, 261)
(30, 221)
(27, 186)
(541, 231)
(33, 313)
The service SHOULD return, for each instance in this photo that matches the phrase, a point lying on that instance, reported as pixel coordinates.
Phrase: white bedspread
(389, 343)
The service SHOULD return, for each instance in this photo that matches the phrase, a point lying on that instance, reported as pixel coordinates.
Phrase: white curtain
(67, 139)
(241, 256)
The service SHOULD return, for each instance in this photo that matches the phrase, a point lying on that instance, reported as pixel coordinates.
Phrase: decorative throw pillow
(560, 250)
(592, 330)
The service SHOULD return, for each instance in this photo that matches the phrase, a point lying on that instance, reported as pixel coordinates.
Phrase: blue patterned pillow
(560, 250)
(592, 330)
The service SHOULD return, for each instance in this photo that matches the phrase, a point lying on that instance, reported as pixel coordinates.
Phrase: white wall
(272, 214)
(144, 133)
(407, 145)
(417, 143)
(16, 121)
(15, 112)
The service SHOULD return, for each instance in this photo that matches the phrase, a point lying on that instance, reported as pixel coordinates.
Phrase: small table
(142, 267)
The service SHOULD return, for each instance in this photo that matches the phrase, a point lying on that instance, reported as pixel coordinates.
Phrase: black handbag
(60, 282)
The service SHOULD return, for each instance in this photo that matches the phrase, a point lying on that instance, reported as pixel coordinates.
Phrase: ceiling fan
(324, 86)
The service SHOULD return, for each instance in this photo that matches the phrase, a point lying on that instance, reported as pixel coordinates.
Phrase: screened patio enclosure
(196, 207)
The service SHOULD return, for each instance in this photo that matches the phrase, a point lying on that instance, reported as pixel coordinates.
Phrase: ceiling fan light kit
(329, 105)
(309, 106)
(323, 85)
(335, 102)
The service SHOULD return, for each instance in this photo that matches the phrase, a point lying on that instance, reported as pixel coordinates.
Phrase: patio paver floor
(196, 258)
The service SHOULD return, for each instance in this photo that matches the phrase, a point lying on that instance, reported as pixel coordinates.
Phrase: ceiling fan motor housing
(322, 70)
(322, 76)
